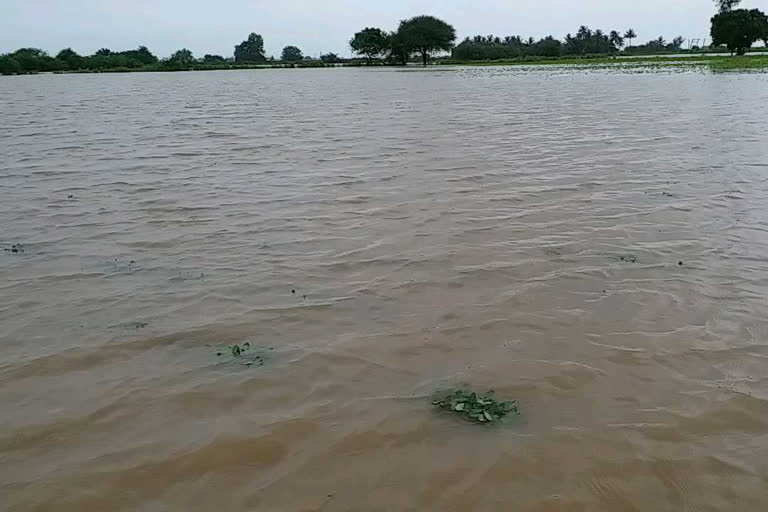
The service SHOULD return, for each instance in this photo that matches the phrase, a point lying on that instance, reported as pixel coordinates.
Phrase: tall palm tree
(616, 39)
(630, 35)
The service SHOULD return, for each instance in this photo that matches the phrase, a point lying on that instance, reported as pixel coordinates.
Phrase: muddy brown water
(512, 229)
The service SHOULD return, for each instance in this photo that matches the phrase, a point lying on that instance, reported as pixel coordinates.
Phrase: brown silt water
(589, 242)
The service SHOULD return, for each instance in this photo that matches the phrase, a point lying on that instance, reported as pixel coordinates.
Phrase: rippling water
(592, 243)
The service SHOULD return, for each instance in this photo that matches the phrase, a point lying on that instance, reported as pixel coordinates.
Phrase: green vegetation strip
(721, 63)
(478, 408)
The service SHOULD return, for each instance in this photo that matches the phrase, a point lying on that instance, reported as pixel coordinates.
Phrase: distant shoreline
(755, 60)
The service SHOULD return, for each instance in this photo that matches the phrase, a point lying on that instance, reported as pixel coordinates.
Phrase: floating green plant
(478, 408)
(240, 351)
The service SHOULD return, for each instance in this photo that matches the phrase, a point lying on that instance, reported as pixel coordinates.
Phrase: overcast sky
(322, 25)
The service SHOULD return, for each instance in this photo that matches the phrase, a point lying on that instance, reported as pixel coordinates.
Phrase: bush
(9, 65)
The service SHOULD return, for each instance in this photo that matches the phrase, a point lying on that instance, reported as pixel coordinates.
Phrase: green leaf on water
(236, 350)
(478, 408)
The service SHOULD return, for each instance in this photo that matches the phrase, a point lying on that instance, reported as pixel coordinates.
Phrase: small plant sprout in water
(240, 352)
(477, 408)
(15, 249)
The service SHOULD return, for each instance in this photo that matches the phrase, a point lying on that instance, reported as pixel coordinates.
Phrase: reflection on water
(589, 243)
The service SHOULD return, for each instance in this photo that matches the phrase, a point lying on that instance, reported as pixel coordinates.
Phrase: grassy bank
(757, 62)
(715, 63)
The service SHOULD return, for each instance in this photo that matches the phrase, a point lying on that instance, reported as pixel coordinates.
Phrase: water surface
(591, 243)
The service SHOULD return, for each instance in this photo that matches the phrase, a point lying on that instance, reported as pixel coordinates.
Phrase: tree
(371, 42)
(398, 52)
(630, 34)
(183, 56)
(141, 55)
(71, 59)
(34, 59)
(251, 50)
(676, 43)
(739, 29)
(9, 65)
(616, 39)
(426, 34)
(213, 59)
(586, 41)
(292, 54)
(727, 5)
(548, 47)
(330, 58)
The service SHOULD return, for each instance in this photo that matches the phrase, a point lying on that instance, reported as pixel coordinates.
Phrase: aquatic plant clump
(478, 408)
(239, 352)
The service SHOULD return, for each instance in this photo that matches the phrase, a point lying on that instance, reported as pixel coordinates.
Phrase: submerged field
(242, 291)
(757, 62)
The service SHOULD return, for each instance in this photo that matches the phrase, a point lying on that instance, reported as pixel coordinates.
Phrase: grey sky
(322, 25)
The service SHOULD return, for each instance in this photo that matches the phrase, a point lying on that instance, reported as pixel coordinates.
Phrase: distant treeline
(417, 38)
(249, 53)
(584, 42)
(736, 30)
(423, 36)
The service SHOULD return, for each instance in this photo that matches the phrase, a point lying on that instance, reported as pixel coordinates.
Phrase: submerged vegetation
(241, 353)
(478, 408)
(419, 39)
(714, 63)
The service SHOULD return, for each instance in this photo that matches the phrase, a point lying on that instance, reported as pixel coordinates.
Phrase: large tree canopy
(739, 29)
(292, 54)
(371, 42)
(250, 50)
(426, 34)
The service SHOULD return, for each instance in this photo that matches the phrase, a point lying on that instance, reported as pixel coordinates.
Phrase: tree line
(248, 53)
(419, 37)
(584, 42)
(422, 36)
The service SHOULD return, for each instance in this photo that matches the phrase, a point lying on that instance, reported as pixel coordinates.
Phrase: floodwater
(591, 243)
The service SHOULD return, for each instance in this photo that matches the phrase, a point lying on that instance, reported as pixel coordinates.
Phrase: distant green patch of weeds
(755, 63)
(477, 408)
(241, 352)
